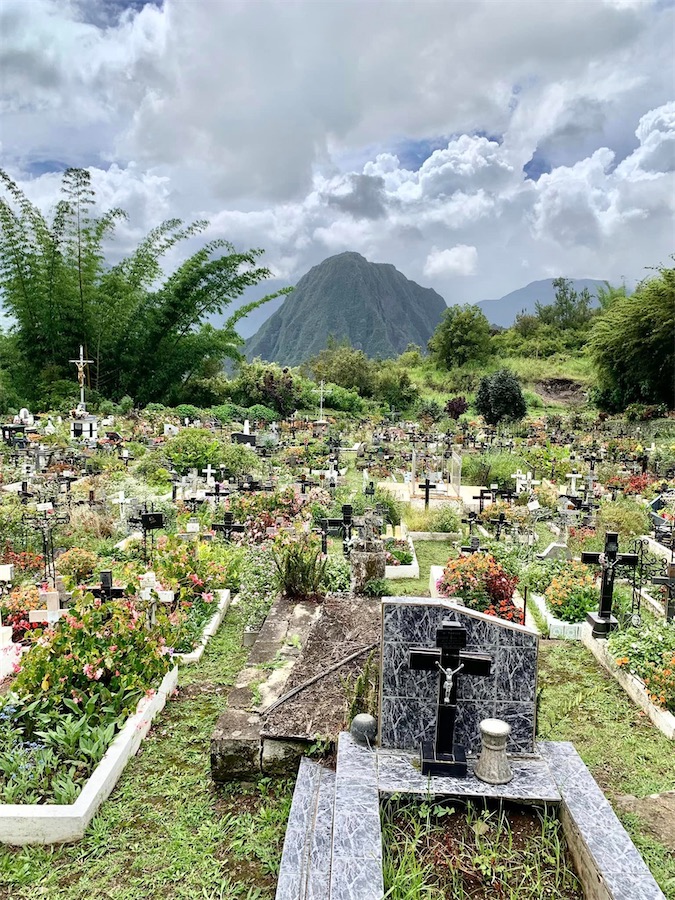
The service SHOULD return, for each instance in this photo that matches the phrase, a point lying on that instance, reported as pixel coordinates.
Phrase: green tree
(632, 345)
(146, 333)
(569, 310)
(339, 363)
(463, 335)
(499, 398)
(267, 384)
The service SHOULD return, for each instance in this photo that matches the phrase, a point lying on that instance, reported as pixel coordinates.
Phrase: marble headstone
(408, 699)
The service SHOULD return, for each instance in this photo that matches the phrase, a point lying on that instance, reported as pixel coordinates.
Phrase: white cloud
(459, 260)
(398, 130)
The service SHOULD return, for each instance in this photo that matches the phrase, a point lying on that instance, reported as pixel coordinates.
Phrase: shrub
(193, 448)
(375, 587)
(482, 584)
(337, 574)
(455, 407)
(649, 653)
(77, 564)
(572, 593)
(397, 552)
(499, 398)
(444, 518)
(300, 566)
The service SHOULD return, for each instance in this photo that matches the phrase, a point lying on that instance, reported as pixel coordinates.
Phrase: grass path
(626, 754)
(167, 831)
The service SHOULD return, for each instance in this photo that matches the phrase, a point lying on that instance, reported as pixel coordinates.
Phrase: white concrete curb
(557, 629)
(210, 629)
(22, 824)
(635, 689)
(410, 571)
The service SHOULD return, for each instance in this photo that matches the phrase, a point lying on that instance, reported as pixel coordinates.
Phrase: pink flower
(207, 597)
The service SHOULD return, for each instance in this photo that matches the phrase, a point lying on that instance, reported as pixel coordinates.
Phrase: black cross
(370, 489)
(428, 487)
(306, 483)
(106, 591)
(228, 526)
(668, 581)
(483, 494)
(473, 546)
(24, 494)
(471, 521)
(603, 621)
(448, 657)
(500, 523)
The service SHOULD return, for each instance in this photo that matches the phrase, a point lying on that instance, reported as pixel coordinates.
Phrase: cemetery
(372, 627)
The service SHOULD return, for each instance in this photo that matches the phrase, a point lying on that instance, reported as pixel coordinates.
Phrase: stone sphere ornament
(364, 729)
(493, 766)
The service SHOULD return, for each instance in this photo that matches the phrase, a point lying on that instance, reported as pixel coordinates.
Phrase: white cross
(81, 363)
(208, 471)
(123, 501)
(574, 477)
(321, 392)
(52, 612)
(520, 479)
(530, 482)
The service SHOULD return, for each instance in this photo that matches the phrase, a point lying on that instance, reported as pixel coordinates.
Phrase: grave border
(209, 630)
(557, 628)
(632, 685)
(50, 823)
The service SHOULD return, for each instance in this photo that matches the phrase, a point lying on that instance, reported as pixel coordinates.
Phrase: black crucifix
(471, 521)
(444, 756)
(500, 523)
(428, 486)
(668, 581)
(603, 621)
(228, 526)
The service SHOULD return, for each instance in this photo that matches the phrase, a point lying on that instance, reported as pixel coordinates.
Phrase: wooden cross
(668, 581)
(603, 621)
(471, 521)
(52, 612)
(428, 486)
(500, 523)
(106, 590)
(449, 658)
(574, 477)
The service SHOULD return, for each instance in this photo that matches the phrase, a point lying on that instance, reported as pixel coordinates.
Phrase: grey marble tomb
(408, 699)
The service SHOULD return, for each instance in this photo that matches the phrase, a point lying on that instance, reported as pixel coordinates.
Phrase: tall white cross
(208, 471)
(81, 363)
(123, 501)
(530, 482)
(321, 392)
(574, 477)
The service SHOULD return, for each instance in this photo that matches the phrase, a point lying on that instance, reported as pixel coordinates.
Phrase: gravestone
(409, 698)
(603, 622)
(367, 556)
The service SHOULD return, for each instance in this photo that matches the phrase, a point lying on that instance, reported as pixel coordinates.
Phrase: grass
(433, 851)
(429, 553)
(626, 754)
(167, 831)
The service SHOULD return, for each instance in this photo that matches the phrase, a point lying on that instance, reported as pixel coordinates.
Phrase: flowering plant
(649, 654)
(572, 593)
(397, 553)
(77, 564)
(483, 584)
(15, 608)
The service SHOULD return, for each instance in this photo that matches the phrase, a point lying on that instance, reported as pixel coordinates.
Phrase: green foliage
(625, 516)
(193, 448)
(430, 410)
(300, 566)
(649, 653)
(444, 519)
(268, 385)
(462, 336)
(340, 364)
(337, 574)
(258, 585)
(145, 333)
(375, 587)
(632, 346)
(393, 386)
(500, 398)
(361, 691)
(569, 311)
(490, 468)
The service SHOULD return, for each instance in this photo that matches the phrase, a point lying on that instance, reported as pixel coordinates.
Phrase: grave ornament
(443, 756)
(603, 622)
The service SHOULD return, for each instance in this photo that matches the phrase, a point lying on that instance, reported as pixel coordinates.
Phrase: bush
(193, 448)
(77, 564)
(444, 519)
(300, 566)
(482, 584)
(649, 653)
(455, 407)
(500, 398)
(337, 574)
(572, 593)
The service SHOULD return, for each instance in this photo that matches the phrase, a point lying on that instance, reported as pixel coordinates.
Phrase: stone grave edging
(210, 629)
(50, 823)
(412, 570)
(632, 685)
(557, 628)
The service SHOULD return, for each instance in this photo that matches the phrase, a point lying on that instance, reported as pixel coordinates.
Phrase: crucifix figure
(81, 363)
(603, 621)
(443, 756)
(499, 523)
(471, 521)
(668, 581)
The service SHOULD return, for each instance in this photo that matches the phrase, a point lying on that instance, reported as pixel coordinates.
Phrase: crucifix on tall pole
(321, 392)
(81, 363)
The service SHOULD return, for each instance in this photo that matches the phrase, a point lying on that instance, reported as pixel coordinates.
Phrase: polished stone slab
(408, 699)
(398, 772)
(603, 844)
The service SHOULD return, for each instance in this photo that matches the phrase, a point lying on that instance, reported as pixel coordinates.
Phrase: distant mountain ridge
(373, 305)
(503, 312)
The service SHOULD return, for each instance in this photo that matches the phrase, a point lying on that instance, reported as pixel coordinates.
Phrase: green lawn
(429, 553)
(167, 831)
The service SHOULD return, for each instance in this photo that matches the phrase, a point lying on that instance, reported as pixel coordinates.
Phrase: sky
(478, 145)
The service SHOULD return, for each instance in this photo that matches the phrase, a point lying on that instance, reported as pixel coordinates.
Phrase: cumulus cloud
(293, 126)
(459, 260)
